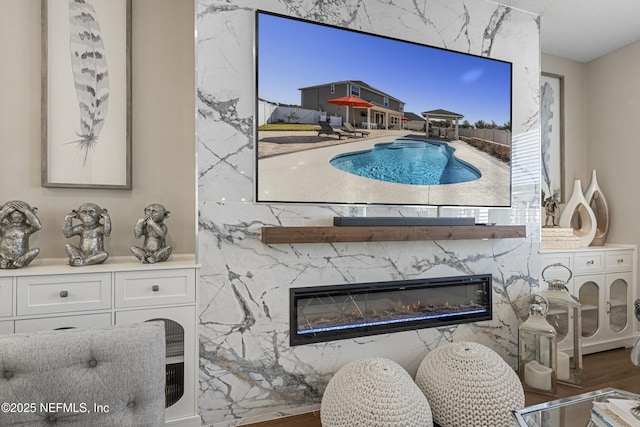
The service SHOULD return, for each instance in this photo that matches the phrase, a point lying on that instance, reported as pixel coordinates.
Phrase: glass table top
(574, 411)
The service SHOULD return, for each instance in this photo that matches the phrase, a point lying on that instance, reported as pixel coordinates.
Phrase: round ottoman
(374, 392)
(468, 384)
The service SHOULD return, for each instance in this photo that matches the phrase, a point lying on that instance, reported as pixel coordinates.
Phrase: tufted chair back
(84, 377)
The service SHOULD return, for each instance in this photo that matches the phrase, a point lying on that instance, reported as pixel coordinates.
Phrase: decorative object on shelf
(565, 315)
(18, 221)
(578, 215)
(552, 211)
(94, 226)
(598, 203)
(381, 221)
(468, 384)
(537, 351)
(154, 230)
(374, 392)
(558, 238)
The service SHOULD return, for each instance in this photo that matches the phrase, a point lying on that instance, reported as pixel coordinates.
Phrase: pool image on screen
(408, 161)
(348, 117)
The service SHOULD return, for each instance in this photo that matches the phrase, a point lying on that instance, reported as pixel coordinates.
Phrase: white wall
(575, 97)
(613, 147)
(163, 126)
(602, 99)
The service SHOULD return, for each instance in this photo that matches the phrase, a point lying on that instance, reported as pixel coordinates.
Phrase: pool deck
(307, 176)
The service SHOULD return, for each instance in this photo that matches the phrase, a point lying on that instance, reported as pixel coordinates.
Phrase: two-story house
(386, 113)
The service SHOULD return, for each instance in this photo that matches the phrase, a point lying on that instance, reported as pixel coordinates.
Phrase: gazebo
(443, 115)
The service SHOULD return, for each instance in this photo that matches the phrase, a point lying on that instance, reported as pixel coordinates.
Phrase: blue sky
(295, 54)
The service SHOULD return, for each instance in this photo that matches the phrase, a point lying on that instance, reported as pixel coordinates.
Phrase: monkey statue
(92, 232)
(154, 230)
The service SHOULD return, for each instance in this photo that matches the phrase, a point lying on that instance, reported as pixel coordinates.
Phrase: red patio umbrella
(351, 101)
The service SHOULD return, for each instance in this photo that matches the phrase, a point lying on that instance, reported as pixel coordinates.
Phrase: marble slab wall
(248, 371)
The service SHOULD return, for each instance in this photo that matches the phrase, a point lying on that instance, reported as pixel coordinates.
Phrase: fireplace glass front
(327, 313)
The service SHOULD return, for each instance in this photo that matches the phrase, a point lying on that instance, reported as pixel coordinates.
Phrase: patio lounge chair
(327, 129)
(349, 128)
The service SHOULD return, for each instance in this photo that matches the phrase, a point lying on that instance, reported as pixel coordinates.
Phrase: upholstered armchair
(84, 377)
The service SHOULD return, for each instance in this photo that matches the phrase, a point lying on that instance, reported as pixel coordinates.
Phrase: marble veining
(248, 372)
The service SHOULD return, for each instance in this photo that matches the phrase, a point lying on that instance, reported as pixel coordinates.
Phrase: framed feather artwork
(86, 93)
(552, 136)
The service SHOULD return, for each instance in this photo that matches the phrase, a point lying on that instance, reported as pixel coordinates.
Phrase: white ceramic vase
(598, 203)
(578, 215)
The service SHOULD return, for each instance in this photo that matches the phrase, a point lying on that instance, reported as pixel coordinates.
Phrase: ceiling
(583, 30)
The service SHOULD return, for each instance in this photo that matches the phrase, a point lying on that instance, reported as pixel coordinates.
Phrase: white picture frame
(86, 94)
(552, 136)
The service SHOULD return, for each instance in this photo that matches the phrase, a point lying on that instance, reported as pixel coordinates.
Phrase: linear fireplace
(327, 313)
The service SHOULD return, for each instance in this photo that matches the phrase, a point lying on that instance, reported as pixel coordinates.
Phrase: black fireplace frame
(296, 338)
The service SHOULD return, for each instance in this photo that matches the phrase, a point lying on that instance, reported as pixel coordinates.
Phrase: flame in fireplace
(417, 306)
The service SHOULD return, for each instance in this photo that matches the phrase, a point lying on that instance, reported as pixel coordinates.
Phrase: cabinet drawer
(620, 261)
(6, 296)
(564, 259)
(63, 293)
(588, 262)
(144, 288)
(101, 320)
(6, 328)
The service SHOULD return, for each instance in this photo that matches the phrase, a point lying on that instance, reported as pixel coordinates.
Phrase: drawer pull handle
(64, 294)
(620, 260)
(590, 262)
(155, 288)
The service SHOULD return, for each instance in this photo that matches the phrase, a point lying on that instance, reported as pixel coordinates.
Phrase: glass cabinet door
(180, 347)
(617, 305)
(174, 338)
(589, 296)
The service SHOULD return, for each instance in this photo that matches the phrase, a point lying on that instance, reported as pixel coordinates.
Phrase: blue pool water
(408, 161)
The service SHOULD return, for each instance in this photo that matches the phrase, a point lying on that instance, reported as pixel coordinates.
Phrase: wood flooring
(611, 368)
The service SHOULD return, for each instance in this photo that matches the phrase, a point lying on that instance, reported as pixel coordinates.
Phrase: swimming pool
(408, 161)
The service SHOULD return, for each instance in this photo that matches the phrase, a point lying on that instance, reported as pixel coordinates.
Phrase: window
(333, 89)
(355, 90)
(401, 108)
(385, 101)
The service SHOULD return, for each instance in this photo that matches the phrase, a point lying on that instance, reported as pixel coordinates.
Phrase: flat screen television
(349, 117)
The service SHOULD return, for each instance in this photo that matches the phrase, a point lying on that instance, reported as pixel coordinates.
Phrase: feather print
(546, 116)
(90, 74)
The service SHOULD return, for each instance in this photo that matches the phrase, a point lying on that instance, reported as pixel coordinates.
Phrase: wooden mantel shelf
(330, 234)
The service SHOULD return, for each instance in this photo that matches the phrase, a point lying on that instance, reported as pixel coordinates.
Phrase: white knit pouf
(374, 392)
(468, 384)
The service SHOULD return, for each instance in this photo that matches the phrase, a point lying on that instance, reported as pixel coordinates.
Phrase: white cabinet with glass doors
(605, 281)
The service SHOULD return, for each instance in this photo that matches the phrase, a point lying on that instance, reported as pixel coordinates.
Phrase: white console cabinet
(48, 294)
(605, 282)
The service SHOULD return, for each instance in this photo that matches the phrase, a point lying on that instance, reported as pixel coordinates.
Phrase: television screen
(348, 117)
